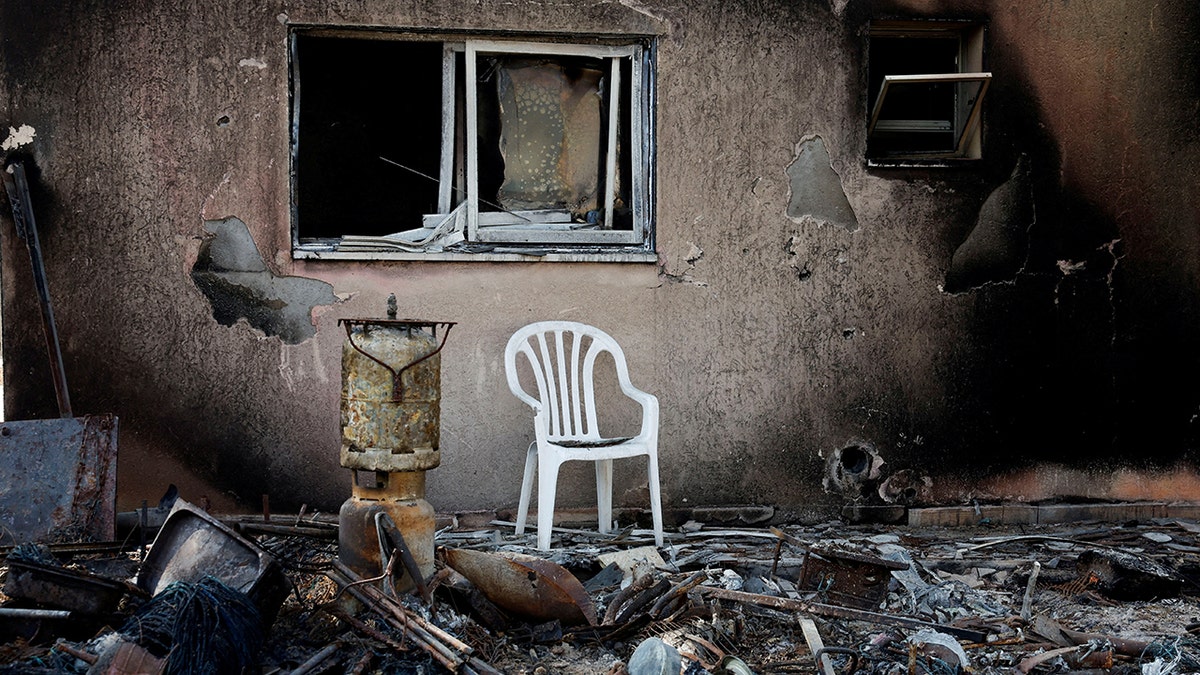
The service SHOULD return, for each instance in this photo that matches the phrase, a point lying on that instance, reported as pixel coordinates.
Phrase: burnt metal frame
(528, 232)
(961, 129)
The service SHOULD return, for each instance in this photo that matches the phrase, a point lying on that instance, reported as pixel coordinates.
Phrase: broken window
(468, 144)
(926, 90)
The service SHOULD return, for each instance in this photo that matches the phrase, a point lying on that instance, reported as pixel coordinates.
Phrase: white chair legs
(547, 482)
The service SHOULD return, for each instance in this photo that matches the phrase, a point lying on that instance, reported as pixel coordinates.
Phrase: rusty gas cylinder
(391, 407)
(401, 495)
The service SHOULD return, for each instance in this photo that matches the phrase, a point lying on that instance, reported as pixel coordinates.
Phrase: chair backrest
(563, 357)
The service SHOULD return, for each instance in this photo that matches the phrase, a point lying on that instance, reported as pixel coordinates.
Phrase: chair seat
(595, 443)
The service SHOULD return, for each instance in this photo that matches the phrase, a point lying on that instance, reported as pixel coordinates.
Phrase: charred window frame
(393, 151)
(926, 88)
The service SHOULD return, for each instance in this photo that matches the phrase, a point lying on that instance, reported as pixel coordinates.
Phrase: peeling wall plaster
(815, 190)
(232, 275)
(995, 249)
(852, 469)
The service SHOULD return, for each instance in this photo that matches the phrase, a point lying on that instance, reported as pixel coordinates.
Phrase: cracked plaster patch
(687, 261)
(995, 249)
(231, 273)
(815, 188)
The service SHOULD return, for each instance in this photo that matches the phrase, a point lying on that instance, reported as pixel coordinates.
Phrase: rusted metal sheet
(129, 659)
(58, 479)
(526, 585)
(847, 578)
(193, 545)
(69, 589)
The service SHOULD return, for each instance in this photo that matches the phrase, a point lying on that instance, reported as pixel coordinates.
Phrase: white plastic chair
(563, 357)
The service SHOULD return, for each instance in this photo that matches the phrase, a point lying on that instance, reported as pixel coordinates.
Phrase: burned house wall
(976, 322)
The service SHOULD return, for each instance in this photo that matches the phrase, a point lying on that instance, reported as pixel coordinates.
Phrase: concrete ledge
(1029, 514)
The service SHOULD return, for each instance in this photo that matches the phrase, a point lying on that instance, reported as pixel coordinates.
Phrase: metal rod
(435, 641)
(143, 522)
(19, 613)
(840, 612)
(387, 531)
(317, 659)
(17, 185)
(454, 187)
(375, 599)
(287, 530)
(87, 657)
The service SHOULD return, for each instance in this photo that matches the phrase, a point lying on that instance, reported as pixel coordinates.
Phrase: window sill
(498, 254)
(915, 163)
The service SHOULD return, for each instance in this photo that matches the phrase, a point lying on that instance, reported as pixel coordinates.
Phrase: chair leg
(655, 498)
(526, 487)
(604, 474)
(547, 484)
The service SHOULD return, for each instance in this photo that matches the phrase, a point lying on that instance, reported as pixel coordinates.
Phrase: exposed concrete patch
(815, 188)
(905, 487)
(995, 249)
(687, 261)
(804, 268)
(849, 468)
(231, 273)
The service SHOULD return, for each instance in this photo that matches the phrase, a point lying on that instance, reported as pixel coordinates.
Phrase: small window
(927, 86)
(462, 144)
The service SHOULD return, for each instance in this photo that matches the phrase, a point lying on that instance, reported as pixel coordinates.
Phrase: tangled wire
(205, 628)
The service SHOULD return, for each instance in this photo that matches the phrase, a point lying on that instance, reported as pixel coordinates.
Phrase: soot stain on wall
(995, 249)
(231, 273)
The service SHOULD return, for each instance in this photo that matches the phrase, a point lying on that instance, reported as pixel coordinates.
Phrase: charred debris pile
(268, 594)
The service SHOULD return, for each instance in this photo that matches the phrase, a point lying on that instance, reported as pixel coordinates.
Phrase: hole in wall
(854, 460)
(850, 467)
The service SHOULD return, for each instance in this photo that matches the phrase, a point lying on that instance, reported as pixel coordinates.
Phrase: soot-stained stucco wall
(973, 323)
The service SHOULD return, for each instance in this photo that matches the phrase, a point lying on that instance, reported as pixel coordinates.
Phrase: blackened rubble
(723, 600)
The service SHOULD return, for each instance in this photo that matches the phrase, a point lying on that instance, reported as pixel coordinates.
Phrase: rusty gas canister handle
(397, 375)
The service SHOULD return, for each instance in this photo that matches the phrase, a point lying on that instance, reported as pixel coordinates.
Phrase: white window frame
(966, 118)
(523, 227)
(517, 235)
(964, 126)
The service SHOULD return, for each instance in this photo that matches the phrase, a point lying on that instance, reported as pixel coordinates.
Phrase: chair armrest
(649, 403)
